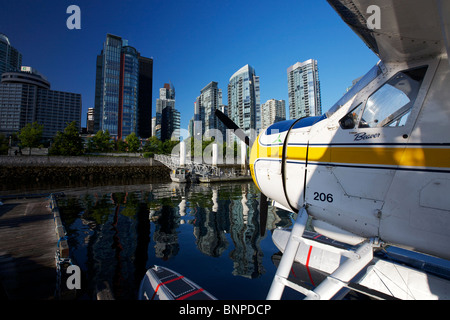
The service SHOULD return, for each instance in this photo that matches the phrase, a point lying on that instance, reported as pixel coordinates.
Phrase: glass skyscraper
(206, 104)
(304, 90)
(128, 92)
(244, 99)
(145, 97)
(117, 98)
(167, 120)
(10, 58)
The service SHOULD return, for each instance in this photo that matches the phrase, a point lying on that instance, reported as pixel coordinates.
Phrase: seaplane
(368, 181)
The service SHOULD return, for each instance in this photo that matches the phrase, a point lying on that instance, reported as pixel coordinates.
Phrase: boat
(160, 283)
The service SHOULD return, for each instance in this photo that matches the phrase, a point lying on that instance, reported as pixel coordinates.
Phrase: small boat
(160, 283)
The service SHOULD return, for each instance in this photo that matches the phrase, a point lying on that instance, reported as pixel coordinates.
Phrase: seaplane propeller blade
(263, 204)
(231, 125)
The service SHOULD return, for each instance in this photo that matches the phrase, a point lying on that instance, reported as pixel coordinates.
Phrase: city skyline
(270, 39)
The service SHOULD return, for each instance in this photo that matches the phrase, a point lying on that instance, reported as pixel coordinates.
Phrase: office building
(167, 118)
(25, 97)
(304, 90)
(145, 97)
(118, 103)
(206, 104)
(244, 99)
(272, 111)
(90, 121)
(10, 57)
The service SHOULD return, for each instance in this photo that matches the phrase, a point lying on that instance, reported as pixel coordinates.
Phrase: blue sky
(191, 42)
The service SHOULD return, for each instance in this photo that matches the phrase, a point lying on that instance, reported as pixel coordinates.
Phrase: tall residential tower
(167, 120)
(206, 104)
(304, 89)
(244, 99)
(272, 111)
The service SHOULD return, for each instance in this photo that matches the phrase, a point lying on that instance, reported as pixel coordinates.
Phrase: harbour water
(207, 232)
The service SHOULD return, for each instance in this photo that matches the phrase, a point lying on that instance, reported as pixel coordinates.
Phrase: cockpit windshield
(361, 84)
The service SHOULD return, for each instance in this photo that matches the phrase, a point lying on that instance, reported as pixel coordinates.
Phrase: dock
(29, 245)
(183, 171)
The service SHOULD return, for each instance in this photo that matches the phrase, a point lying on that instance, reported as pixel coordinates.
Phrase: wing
(407, 29)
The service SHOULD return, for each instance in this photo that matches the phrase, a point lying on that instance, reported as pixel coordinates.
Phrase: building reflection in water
(110, 231)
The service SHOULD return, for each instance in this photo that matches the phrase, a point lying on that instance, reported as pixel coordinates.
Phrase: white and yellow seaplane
(374, 171)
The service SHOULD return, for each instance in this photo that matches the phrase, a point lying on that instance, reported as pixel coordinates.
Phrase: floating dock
(31, 242)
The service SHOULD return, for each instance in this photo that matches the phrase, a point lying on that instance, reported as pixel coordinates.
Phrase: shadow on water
(209, 233)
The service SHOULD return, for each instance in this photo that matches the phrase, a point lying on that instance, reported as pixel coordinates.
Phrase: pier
(30, 244)
(185, 170)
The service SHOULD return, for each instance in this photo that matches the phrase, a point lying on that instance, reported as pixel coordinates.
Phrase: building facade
(145, 97)
(167, 118)
(25, 97)
(90, 121)
(118, 103)
(206, 104)
(304, 90)
(244, 99)
(10, 57)
(272, 111)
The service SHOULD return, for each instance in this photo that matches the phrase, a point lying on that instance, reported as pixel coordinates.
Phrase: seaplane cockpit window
(390, 105)
(361, 84)
(349, 121)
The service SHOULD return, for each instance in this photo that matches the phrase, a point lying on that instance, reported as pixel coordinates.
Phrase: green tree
(68, 142)
(120, 145)
(101, 142)
(133, 142)
(152, 146)
(3, 145)
(167, 146)
(31, 135)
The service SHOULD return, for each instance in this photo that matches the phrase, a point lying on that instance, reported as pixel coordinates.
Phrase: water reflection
(115, 235)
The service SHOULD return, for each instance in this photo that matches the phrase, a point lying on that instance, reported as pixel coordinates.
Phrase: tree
(168, 145)
(152, 146)
(68, 142)
(3, 145)
(31, 135)
(133, 142)
(101, 142)
(120, 145)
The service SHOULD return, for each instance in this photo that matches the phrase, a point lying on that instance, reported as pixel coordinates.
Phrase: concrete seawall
(46, 170)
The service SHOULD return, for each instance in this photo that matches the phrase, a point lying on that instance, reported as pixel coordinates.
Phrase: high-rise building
(25, 97)
(304, 90)
(206, 104)
(244, 99)
(167, 122)
(90, 121)
(10, 57)
(272, 111)
(145, 97)
(118, 103)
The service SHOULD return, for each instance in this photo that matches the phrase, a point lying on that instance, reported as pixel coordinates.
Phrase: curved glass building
(244, 99)
(10, 57)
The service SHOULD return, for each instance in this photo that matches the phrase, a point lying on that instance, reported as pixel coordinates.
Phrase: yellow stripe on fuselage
(376, 155)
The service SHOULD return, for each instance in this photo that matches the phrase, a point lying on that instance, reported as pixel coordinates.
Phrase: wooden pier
(28, 243)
